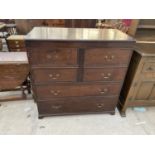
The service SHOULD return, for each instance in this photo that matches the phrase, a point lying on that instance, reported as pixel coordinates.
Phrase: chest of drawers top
(78, 34)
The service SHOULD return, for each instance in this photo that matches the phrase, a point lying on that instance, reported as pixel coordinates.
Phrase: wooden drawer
(106, 56)
(148, 67)
(17, 49)
(53, 57)
(104, 74)
(66, 90)
(77, 105)
(16, 43)
(54, 75)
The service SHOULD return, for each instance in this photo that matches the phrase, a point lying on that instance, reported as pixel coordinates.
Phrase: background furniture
(16, 43)
(77, 70)
(1, 45)
(25, 25)
(145, 30)
(14, 70)
(139, 85)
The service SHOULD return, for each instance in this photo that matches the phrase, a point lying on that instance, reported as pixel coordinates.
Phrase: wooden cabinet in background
(1, 44)
(26, 25)
(139, 86)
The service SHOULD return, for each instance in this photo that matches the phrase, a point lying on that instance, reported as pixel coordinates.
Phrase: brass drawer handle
(109, 58)
(18, 50)
(56, 107)
(9, 77)
(103, 91)
(55, 56)
(55, 92)
(17, 45)
(54, 76)
(100, 105)
(106, 77)
(48, 56)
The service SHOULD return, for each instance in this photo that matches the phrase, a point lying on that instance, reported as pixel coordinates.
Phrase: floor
(21, 117)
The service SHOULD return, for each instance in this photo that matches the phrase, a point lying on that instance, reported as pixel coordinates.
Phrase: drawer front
(77, 105)
(53, 75)
(104, 74)
(16, 43)
(106, 56)
(17, 49)
(149, 67)
(53, 57)
(57, 90)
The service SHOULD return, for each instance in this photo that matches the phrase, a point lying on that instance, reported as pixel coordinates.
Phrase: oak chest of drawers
(75, 70)
(139, 85)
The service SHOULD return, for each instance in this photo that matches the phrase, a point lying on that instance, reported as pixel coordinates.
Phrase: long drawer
(54, 75)
(77, 105)
(65, 90)
(104, 74)
(106, 56)
(53, 57)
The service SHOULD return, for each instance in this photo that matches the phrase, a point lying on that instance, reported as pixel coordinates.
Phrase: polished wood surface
(139, 86)
(77, 34)
(76, 70)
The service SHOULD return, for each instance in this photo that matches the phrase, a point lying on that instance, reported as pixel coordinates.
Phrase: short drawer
(17, 49)
(54, 75)
(66, 90)
(106, 56)
(53, 57)
(16, 43)
(104, 74)
(148, 67)
(77, 105)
